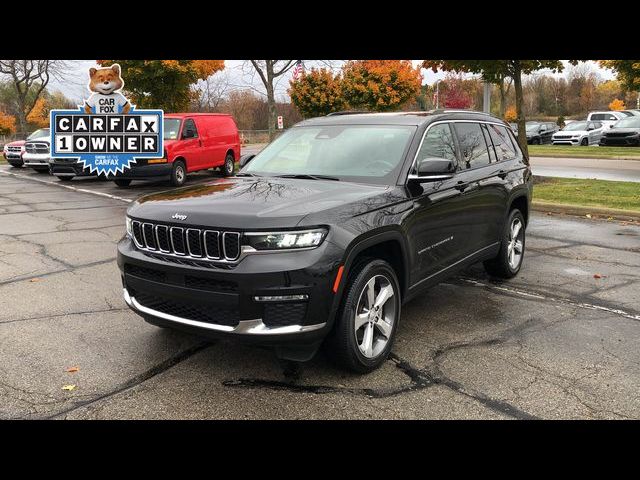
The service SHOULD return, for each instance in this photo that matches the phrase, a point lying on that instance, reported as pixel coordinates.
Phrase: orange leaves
(7, 124)
(206, 68)
(317, 92)
(39, 114)
(616, 104)
(510, 114)
(72, 369)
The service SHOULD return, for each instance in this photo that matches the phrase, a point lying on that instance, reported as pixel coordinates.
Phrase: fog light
(280, 298)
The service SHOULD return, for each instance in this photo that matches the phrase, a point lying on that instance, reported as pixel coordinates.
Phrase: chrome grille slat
(187, 242)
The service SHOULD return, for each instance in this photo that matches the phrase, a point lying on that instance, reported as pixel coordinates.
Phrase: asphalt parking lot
(555, 342)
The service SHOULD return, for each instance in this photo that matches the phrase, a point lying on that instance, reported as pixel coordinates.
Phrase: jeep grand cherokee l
(324, 234)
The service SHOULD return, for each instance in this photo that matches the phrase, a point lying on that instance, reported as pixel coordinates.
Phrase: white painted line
(68, 187)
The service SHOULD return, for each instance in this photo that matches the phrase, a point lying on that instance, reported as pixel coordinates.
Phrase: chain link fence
(257, 136)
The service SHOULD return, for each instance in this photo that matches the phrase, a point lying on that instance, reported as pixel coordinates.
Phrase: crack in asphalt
(53, 272)
(136, 380)
(58, 315)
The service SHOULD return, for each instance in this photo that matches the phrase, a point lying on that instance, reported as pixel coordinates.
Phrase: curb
(582, 211)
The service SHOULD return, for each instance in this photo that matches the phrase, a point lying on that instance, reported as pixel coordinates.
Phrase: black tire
(229, 167)
(584, 142)
(178, 173)
(535, 141)
(65, 179)
(15, 165)
(500, 266)
(342, 344)
(122, 182)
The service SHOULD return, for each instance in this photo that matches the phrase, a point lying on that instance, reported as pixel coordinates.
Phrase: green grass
(630, 153)
(589, 193)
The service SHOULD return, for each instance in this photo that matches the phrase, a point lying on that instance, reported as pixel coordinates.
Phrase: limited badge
(106, 134)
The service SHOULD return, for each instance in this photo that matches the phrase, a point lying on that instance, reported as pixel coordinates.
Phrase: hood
(622, 130)
(253, 203)
(16, 143)
(46, 138)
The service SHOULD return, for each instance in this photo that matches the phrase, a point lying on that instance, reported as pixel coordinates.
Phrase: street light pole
(437, 94)
(486, 98)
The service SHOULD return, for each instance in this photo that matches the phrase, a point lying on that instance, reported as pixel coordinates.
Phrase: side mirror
(433, 169)
(188, 133)
(244, 159)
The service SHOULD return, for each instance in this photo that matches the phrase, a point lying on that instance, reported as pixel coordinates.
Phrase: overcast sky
(238, 73)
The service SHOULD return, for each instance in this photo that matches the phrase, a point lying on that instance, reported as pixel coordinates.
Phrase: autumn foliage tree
(616, 104)
(7, 124)
(627, 71)
(510, 114)
(164, 84)
(380, 85)
(317, 92)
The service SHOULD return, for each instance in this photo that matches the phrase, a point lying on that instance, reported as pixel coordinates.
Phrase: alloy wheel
(515, 248)
(375, 316)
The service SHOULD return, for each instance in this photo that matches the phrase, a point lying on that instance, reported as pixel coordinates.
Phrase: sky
(239, 76)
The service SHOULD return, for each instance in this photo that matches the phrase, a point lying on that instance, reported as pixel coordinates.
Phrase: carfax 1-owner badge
(106, 134)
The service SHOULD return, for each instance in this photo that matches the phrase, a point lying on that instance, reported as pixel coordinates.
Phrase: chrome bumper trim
(246, 327)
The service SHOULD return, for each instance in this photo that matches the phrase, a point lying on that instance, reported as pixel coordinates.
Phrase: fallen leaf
(73, 369)
(34, 280)
(69, 387)
(588, 215)
(597, 275)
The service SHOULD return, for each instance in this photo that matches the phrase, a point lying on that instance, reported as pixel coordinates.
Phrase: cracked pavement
(553, 343)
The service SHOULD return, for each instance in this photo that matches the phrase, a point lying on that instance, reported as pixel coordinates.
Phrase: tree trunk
(271, 101)
(517, 82)
(503, 99)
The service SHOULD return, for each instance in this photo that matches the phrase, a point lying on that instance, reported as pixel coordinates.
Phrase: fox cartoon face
(105, 80)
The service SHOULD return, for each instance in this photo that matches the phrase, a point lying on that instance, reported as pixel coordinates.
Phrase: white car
(579, 133)
(606, 118)
(36, 150)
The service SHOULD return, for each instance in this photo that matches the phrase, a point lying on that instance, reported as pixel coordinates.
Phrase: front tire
(368, 318)
(178, 173)
(65, 179)
(584, 142)
(229, 167)
(122, 183)
(508, 262)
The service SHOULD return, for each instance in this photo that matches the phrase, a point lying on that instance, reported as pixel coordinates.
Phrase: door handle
(462, 186)
(199, 142)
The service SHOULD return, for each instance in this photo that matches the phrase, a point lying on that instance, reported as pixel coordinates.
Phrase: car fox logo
(179, 216)
(107, 134)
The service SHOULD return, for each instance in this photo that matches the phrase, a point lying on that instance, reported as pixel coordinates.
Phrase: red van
(192, 142)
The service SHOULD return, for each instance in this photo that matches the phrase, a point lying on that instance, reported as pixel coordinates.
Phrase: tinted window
(189, 124)
(438, 143)
(487, 139)
(472, 145)
(501, 141)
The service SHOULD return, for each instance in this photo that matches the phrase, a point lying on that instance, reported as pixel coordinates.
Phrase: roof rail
(346, 112)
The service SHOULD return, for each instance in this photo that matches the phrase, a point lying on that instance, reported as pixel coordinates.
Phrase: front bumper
(36, 159)
(14, 159)
(69, 168)
(630, 141)
(220, 301)
(566, 141)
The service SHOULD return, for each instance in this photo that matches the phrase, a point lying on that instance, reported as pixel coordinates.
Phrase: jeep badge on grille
(179, 216)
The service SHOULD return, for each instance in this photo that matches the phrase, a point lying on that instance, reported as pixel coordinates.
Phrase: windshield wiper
(245, 174)
(309, 177)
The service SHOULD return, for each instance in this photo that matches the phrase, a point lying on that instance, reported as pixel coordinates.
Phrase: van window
(472, 145)
(189, 124)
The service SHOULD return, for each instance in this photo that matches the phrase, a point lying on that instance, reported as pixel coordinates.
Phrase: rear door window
(473, 146)
(505, 149)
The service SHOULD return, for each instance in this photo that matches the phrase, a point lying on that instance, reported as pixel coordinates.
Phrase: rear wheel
(509, 259)
(229, 166)
(367, 321)
(121, 182)
(535, 141)
(178, 173)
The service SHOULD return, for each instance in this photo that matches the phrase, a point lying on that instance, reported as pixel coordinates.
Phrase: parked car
(579, 133)
(631, 113)
(192, 142)
(540, 132)
(606, 118)
(514, 127)
(37, 150)
(13, 153)
(325, 233)
(624, 133)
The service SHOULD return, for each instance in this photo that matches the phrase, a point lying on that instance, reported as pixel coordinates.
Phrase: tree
(39, 115)
(209, 94)
(455, 93)
(164, 84)
(510, 114)
(627, 71)
(7, 124)
(494, 70)
(317, 92)
(616, 104)
(269, 71)
(380, 85)
(28, 79)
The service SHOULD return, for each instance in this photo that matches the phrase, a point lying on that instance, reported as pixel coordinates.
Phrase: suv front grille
(190, 311)
(187, 242)
(36, 147)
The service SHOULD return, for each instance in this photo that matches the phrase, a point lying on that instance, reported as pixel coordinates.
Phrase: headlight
(285, 240)
(129, 228)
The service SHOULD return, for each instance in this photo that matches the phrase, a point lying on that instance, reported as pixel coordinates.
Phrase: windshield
(41, 132)
(629, 122)
(575, 126)
(357, 153)
(171, 127)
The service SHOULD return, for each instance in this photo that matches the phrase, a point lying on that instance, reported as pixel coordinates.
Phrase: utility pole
(486, 98)
(437, 94)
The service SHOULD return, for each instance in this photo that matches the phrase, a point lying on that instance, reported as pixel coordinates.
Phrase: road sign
(280, 122)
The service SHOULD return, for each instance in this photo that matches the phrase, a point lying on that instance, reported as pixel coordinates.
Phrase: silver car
(36, 150)
(579, 133)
